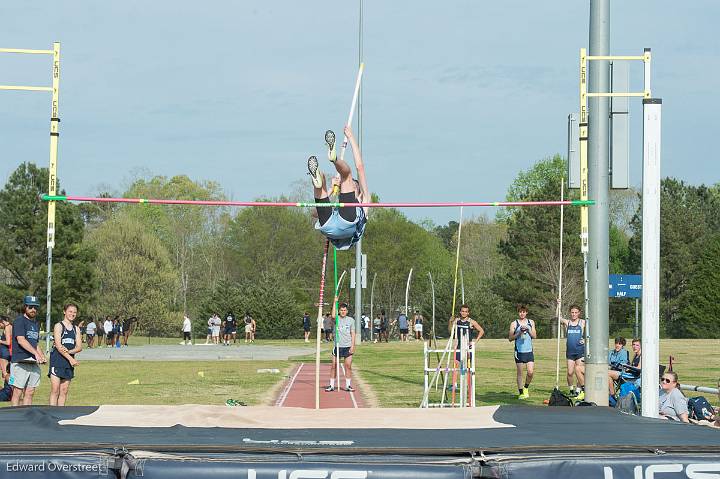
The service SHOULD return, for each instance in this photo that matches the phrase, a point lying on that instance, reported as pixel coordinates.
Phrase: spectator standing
(306, 326)
(187, 330)
(418, 325)
(128, 326)
(26, 357)
(90, 333)
(117, 331)
(249, 328)
(5, 345)
(385, 326)
(67, 343)
(216, 322)
(403, 326)
(365, 333)
(230, 328)
(209, 330)
(328, 327)
(376, 328)
(100, 331)
(108, 327)
(82, 327)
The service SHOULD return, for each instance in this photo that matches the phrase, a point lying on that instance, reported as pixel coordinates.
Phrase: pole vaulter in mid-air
(343, 225)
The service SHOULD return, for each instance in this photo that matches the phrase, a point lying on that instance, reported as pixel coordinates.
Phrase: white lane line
(286, 391)
(352, 395)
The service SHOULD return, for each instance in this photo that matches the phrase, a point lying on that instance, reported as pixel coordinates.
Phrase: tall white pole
(407, 292)
(558, 311)
(651, 256)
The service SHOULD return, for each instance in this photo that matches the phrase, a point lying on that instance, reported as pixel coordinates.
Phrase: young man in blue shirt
(523, 331)
(26, 356)
(342, 226)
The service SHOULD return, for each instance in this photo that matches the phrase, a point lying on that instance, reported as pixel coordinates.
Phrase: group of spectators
(377, 330)
(222, 330)
(20, 356)
(112, 332)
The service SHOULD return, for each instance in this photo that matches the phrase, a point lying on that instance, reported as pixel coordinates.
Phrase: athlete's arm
(532, 330)
(480, 330)
(359, 166)
(57, 338)
(78, 344)
(352, 339)
(8, 338)
(25, 344)
(512, 335)
(333, 313)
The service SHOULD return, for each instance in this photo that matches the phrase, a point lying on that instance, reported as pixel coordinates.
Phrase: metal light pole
(358, 246)
(598, 189)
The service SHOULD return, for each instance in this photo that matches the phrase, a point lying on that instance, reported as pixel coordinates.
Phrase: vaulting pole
(319, 325)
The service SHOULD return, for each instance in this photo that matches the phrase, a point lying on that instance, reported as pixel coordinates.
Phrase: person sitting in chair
(628, 372)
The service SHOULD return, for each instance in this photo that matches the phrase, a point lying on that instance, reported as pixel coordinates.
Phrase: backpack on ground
(628, 404)
(6, 393)
(559, 399)
(699, 408)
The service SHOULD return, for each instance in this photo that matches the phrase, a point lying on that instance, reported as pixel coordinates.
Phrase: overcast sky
(459, 96)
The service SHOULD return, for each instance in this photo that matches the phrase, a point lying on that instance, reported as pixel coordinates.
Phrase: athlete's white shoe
(314, 172)
(330, 142)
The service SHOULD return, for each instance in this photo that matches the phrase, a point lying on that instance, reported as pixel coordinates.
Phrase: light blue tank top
(342, 233)
(523, 343)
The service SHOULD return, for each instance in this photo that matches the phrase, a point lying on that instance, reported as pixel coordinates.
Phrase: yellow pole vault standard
(52, 170)
(593, 361)
(54, 136)
(583, 124)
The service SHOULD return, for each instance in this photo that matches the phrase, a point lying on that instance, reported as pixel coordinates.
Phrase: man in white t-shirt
(365, 333)
(187, 329)
(90, 333)
(108, 328)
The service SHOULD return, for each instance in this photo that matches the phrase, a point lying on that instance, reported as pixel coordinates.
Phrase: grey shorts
(24, 375)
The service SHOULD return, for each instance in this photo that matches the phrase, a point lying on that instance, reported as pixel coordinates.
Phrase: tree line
(158, 262)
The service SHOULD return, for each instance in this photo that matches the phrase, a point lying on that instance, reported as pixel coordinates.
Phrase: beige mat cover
(264, 417)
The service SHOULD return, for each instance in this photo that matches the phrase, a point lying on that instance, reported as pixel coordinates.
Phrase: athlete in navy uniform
(575, 351)
(464, 334)
(342, 226)
(67, 344)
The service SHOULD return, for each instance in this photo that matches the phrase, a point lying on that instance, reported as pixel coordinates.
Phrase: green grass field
(391, 372)
(172, 382)
(394, 370)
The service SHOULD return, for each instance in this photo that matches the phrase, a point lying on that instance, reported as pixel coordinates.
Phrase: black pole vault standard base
(509, 441)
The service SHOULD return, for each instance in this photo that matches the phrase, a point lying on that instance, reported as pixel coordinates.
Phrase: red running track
(299, 390)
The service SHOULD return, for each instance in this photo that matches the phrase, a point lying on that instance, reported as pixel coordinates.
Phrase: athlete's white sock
(332, 382)
(347, 382)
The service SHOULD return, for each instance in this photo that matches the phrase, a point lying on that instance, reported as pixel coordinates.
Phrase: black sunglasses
(31, 306)
(666, 380)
